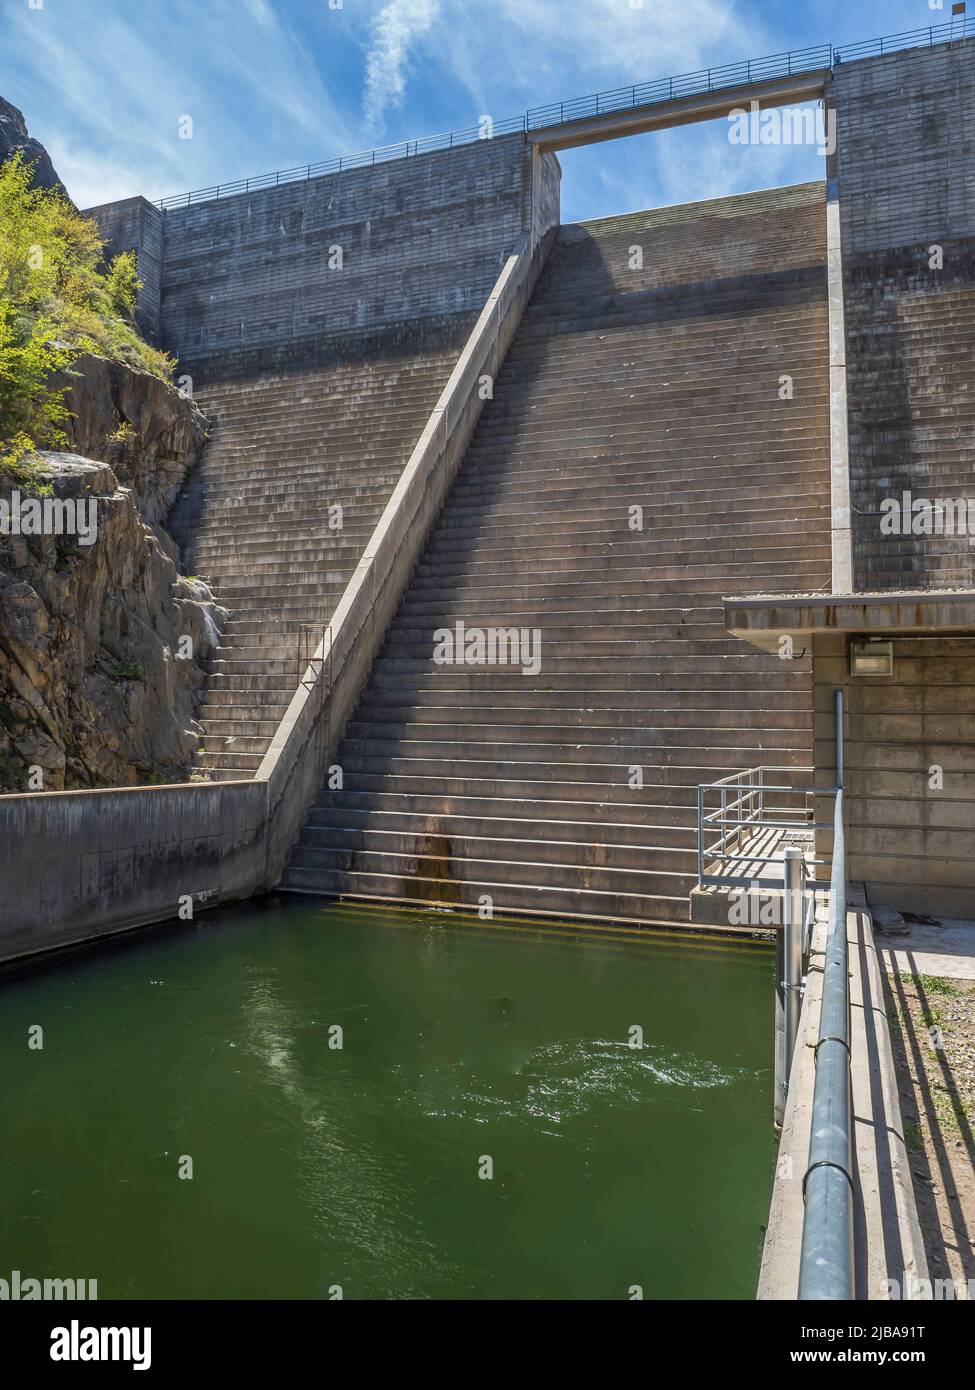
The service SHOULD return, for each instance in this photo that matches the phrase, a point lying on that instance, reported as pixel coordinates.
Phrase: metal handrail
(794, 62)
(761, 768)
(743, 810)
(312, 636)
(826, 1259)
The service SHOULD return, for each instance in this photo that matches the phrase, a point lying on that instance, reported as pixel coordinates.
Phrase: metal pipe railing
(788, 962)
(749, 803)
(826, 1259)
(794, 62)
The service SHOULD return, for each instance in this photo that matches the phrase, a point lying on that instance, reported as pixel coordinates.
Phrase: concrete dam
(608, 584)
(644, 454)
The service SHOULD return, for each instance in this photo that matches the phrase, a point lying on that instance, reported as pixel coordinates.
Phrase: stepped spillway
(656, 387)
(292, 455)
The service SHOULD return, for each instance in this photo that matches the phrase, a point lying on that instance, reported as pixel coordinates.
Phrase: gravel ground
(933, 1034)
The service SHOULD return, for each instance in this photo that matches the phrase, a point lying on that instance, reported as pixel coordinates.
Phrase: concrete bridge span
(687, 110)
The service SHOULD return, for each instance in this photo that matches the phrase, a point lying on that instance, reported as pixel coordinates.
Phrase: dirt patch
(932, 1028)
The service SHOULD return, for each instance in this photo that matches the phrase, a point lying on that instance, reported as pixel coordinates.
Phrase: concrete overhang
(763, 618)
(706, 106)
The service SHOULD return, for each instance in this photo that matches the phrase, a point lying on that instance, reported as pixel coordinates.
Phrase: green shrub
(56, 302)
(123, 670)
(122, 284)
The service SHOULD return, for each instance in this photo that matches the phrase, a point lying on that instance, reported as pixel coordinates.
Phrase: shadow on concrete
(915, 1057)
(895, 1259)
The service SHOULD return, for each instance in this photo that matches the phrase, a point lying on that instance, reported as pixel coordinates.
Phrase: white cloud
(122, 87)
(93, 179)
(695, 162)
(396, 30)
(267, 87)
(261, 11)
(529, 46)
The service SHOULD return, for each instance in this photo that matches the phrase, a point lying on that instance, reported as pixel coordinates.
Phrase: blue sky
(274, 83)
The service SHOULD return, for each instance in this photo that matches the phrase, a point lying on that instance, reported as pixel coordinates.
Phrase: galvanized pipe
(788, 972)
(826, 1260)
(792, 922)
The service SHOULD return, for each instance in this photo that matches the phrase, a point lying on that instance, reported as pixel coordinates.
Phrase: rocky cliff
(102, 642)
(136, 422)
(14, 138)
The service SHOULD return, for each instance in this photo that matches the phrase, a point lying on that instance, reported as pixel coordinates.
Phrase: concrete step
(683, 709)
(345, 827)
(231, 763)
(571, 787)
(764, 576)
(673, 807)
(543, 709)
(487, 840)
(420, 890)
(511, 871)
(520, 775)
(463, 782)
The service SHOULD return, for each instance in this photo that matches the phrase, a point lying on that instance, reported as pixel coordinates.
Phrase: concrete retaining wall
(78, 865)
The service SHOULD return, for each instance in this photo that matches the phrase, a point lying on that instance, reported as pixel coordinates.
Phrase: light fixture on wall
(871, 658)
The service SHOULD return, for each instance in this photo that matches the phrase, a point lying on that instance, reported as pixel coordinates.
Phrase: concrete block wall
(905, 171)
(291, 273)
(906, 146)
(137, 225)
(910, 772)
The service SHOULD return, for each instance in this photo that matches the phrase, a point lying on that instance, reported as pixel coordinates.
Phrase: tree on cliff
(57, 300)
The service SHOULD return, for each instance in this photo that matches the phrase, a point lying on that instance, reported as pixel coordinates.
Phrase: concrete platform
(712, 904)
(763, 618)
(947, 950)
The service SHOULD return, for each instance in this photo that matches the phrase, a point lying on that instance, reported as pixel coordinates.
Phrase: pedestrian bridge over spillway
(710, 105)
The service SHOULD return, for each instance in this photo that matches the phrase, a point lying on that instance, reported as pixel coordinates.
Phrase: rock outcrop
(14, 138)
(148, 433)
(101, 646)
(102, 642)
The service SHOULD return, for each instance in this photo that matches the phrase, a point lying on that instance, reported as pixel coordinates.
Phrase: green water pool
(467, 1049)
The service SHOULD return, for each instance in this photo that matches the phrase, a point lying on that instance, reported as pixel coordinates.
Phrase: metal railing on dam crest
(791, 63)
